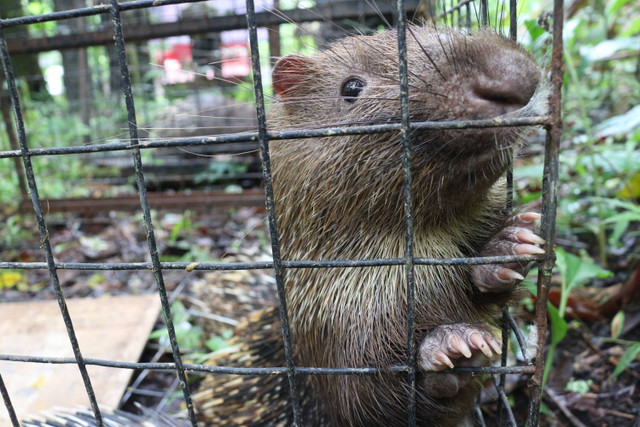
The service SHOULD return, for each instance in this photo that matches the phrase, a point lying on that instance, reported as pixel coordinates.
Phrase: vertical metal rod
(479, 417)
(513, 20)
(519, 336)
(270, 204)
(484, 13)
(506, 326)
(503, 362)
(468, 8)
(549, 205)
(5, 107)
(502, 397)
(445, 13)
(405, 134)
(8, 404)
(146, 211)
(42, 225)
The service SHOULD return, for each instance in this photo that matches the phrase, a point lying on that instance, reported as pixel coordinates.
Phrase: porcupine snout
(505, 81)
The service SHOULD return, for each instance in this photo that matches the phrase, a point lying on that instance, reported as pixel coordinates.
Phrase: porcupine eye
(351, 89)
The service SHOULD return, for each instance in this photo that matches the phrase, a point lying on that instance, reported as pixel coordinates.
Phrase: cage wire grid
(551, 122)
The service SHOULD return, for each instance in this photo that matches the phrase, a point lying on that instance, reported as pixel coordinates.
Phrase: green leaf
(624, 217)
(534, 29)
(613, 7)
(623, 204)
(578, 386)
(178, 312)
(559, 326)
(626, 359)
(618, 230)
(217, 343)
(617, 324)
(188, 335)
(577, 271)
(634, 28)
(544, 409)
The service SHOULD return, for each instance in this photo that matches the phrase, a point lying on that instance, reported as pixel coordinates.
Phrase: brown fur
(341, 198)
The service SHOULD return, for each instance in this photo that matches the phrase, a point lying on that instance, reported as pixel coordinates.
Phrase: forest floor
(581, 390)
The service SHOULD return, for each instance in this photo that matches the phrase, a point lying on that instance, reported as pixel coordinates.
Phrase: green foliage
(621, 218)
(218, 343)
(626, 359)
(189, 335)
(292, 42)
(594, 176)
(559, 328)
(181, 237)
(48, 126)
(575, 271)
(600, 160)
(578, 386)
(13, 232)
(218, 170)
(183, 225)
(40, 29)
(191, 338)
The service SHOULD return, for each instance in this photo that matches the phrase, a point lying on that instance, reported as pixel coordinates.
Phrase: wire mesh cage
(106, 27)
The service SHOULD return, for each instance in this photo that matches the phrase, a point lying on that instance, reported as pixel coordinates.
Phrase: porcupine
(340, 198)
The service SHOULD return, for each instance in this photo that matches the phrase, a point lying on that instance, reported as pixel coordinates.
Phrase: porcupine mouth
(498, 140)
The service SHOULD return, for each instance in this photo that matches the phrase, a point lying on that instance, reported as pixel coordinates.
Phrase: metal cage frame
(551, 122)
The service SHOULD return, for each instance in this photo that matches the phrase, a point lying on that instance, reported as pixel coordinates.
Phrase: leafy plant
(190, 337)
(574, 271)
(13, 232)
(579, 386)
(626, 359)
(559, 328)
(183, 225)
(219, 169)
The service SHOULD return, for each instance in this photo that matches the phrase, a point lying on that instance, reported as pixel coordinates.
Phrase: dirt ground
(580, 392)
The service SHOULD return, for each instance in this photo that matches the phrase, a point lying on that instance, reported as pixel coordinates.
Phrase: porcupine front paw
(459, 343)
(516, 238)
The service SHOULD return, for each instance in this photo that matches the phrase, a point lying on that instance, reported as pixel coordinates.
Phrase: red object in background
(180, 52)
(176, 62)
(235, 60)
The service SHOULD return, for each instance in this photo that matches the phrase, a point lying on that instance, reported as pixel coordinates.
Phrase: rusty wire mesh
(134, 145)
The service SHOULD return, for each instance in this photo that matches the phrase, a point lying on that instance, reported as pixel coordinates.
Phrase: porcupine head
(341, 197)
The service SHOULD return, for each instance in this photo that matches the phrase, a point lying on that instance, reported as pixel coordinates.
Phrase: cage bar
(7, 403)
(42, 225)
(552, 122)
(271, 212)
(146, 211)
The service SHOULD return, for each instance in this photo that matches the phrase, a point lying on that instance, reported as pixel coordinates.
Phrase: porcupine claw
(457, 341)
(459, 344)
(516, 238)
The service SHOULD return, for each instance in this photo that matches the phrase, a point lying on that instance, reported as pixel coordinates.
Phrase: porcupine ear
(291, 75)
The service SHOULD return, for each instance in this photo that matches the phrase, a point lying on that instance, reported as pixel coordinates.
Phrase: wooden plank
(113, 328)
(194, 200)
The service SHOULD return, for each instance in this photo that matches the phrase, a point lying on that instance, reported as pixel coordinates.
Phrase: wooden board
(112, 328)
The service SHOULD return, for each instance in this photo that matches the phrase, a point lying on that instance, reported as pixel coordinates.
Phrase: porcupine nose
(506, 83)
